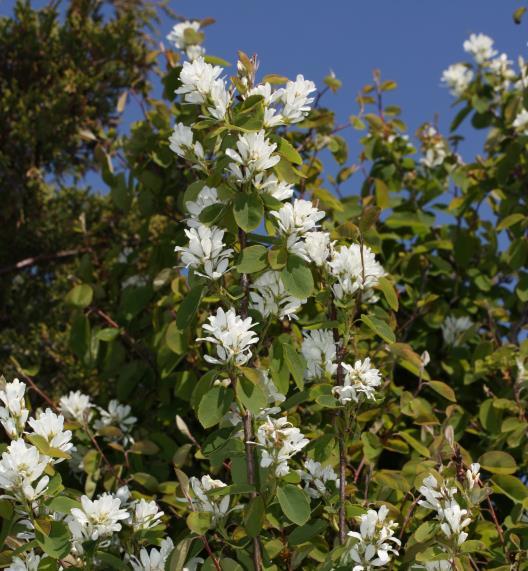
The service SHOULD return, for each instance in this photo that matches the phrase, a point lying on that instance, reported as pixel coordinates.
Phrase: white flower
(218, 506)
(117, 415)
(356, 269)
(31, 563)
(254, 154)
(177, 37)
(232, 336)
(20, 466)
(360, 379)
(434, 148)
(153, 560)
(14, 414)
(480, 47)
(473, 475)
(457, 77)
(520, 123)
(442, 500)
(316, 478)
(269, 297)
(280, 441)
(51, 427)
(96, 519)
(271, 117)
(295, 97)
(123, 494)
(298, 218)
(181, 143)
(318, 247)
(453, 327)
(270, 184)
(206, 197)
(454, 521)
(76, 406)
(435, 494)
(192, 564)
(145, 514)
(319, 350)
(375, 541)
(201, 85)
(500, 67)
(206, 251)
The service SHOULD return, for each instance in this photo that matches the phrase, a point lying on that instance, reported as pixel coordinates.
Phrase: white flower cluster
(457, 78)
(356, 269)
(24, 478)
(434, 147)
(217, 506)
(441, 498)
(480, 47)
(182, 143)
(253, 156)
(118, 416)
(269, 297)
(206, 252)
(374, 542)
(185, 36)
(316, 478)
(14, 414)
(232, 336)
(286, 105)
(280, 441)
(99, 519)
(319, 350)
(153, 559)
(202, 85)
(360, 379)
(520, 123)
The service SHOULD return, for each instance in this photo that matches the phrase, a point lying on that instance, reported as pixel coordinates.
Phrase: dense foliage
(313, 379)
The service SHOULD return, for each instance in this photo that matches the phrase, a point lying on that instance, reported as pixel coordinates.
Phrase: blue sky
(410, 41)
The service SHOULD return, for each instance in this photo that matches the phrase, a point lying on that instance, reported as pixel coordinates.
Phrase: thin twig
(247, 417)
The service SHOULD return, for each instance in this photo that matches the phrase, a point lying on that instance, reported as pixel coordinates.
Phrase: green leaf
(213, 406)
(108, 334)
(248, 211)
(306, 532)
(498, 462)
(296, 364)
(189, 307)
(510, 486)
(413, 443)
(53, 538)
(199, 522)
(510, 221)
(111, 561)
(297, 277)
(254, 516)
(42, 444)
(178, 556)
(287, 151)
(389, 292)
(382, 194)
(442, 389)
(252, 259)
(294, 503)
(379, 327)
(63, 504)
(251, 394)
(80, 296)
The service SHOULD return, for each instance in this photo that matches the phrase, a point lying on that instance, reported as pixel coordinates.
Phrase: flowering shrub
(280, 403)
